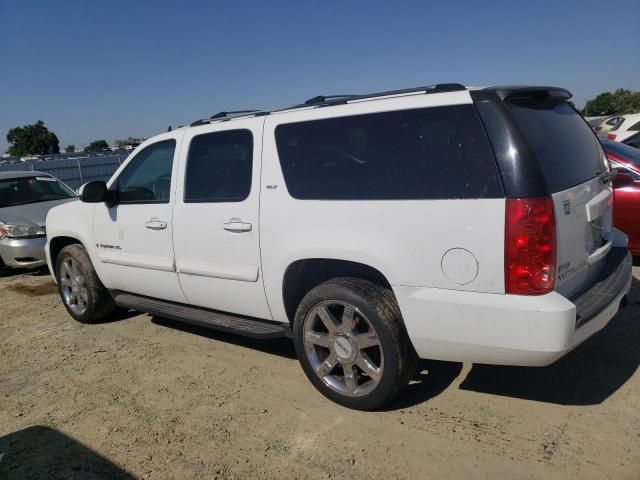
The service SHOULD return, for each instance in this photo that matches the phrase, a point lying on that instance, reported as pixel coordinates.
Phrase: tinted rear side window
(219, 167)
(428, 153)
(566, 148)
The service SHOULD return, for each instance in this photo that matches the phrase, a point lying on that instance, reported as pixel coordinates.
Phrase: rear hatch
(555, 153)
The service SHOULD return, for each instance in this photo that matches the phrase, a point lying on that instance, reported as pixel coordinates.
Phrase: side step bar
(226, 322)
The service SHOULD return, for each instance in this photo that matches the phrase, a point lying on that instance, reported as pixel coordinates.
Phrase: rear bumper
(511, 329)
(23, 253)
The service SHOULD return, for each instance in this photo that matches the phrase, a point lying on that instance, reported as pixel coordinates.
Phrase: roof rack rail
(328, 100)
(338, 99)
(233, 112)
(224, 114)
(324, 98)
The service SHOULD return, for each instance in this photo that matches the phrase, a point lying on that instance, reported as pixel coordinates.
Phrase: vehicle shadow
(282, 347)
(587, 376)
(42, 452)
(14, 272)
(431, 379)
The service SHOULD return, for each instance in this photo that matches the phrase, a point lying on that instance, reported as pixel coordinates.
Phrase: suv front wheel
(351, 342)
(82, 292)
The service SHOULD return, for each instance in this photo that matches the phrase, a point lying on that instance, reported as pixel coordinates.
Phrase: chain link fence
(72, 171)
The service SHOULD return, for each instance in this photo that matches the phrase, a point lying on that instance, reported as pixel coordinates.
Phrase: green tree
(97, 146)
(619, 102)
(70, 148)
(34, 139)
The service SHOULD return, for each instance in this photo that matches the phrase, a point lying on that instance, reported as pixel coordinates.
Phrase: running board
(226, 322)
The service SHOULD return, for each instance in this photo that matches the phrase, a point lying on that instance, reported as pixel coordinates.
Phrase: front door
(134, 235)
(215, 224)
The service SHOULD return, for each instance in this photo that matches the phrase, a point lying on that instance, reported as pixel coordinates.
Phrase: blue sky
(112, 69)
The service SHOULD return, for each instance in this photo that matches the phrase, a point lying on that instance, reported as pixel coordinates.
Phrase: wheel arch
(56, 244)
(304, 274)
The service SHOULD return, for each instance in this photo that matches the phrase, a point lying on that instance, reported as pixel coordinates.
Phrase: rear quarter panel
(404, 239)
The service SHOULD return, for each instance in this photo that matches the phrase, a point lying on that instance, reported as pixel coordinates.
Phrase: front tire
(81, 291)
(351, 343)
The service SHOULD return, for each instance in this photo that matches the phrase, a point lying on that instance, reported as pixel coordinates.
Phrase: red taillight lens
(598, 129)
(611, 136)
(530, 246)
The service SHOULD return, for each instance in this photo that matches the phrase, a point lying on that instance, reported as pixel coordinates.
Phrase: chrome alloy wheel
(345, 354)
(73, 286)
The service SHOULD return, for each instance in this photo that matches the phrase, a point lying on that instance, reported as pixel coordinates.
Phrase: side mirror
(622, 179)
(93, 192)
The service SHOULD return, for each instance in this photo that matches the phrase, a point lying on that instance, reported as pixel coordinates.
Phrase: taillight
(611, 136)
(598, 129)
(530, 246)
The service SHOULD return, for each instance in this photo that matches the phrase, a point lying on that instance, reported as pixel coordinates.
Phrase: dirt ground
(142, 397)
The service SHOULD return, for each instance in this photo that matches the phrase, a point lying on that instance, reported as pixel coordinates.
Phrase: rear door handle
(236, 225)
(155, 224)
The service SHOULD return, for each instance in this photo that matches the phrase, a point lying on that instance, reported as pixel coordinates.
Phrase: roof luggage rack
(226, 115)
(329, 100)
(340, 99)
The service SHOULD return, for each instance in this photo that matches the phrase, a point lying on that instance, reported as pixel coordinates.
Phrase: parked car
(25, 199)
(625, 165)
(633, 141)
(608, 124)
(439, 222)
(629, 126)
(594, 122)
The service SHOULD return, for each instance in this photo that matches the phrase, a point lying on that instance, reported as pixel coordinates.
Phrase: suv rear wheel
(82, 292)
(351, 342)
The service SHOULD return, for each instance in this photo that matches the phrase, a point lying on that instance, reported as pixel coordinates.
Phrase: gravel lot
(142, 397)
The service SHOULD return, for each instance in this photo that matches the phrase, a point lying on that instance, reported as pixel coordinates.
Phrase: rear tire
(81, 291)
(352, 344)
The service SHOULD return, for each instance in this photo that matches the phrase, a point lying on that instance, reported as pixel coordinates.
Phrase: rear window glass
(429, 153)
(565, 146)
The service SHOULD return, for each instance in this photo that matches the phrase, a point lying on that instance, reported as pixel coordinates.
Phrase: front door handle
(155, 224)
(236, 225)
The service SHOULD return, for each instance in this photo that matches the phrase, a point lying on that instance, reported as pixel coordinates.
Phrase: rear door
(215, 223)
(574, 171)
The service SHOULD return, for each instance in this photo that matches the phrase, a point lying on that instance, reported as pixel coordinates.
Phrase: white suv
(438, 222)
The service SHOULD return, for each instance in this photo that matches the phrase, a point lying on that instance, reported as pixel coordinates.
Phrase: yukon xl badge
(566, 206)
(108, 247)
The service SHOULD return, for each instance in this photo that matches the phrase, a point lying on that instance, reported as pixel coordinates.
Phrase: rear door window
(219, 167)
(568, 151)
(428, 153)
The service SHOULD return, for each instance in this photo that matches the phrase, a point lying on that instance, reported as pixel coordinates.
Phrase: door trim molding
(227, 271)
(150, 262)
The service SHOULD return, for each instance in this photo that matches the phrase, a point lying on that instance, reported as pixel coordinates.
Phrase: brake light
(611, 136)
(530, 246)
(598, 129)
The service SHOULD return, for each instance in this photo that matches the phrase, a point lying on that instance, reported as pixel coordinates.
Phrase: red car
(625, 165)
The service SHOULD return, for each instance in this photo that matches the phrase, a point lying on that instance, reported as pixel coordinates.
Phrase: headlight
(20, 231)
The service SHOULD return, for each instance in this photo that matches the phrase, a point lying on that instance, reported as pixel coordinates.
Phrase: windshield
(19, 191)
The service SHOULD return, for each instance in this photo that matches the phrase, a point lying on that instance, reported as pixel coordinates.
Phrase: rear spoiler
(511, 92)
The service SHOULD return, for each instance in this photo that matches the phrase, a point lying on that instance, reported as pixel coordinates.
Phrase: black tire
(379, 306)
(100, 304)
